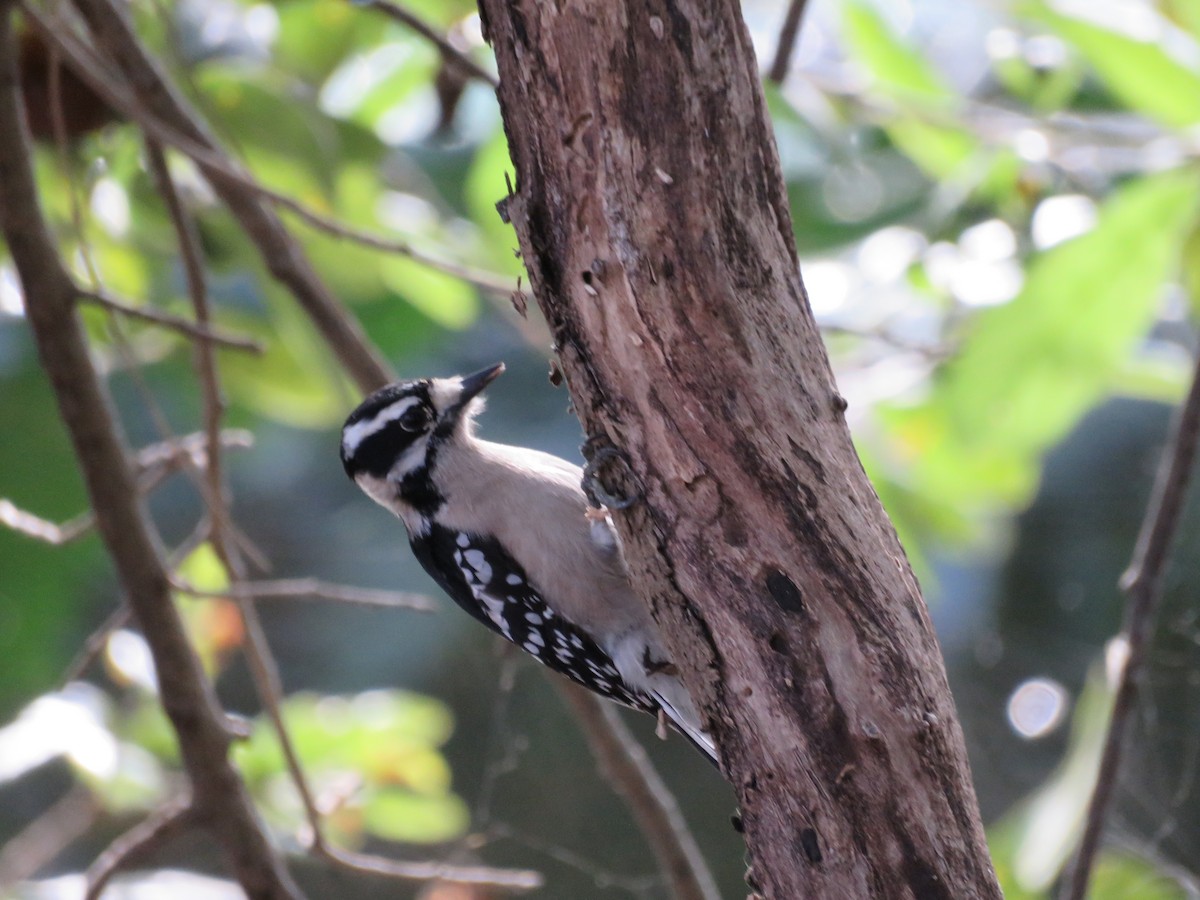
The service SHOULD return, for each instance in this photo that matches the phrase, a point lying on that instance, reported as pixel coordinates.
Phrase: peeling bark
(654, 223)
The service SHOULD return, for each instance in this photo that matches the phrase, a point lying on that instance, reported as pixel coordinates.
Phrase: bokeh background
(996, 212)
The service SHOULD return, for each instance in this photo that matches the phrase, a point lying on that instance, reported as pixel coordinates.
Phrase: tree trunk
(655, 228)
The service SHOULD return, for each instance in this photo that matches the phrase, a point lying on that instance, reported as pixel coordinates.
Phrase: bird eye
(414, 419)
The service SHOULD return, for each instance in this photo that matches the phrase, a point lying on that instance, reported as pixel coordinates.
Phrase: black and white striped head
(390, 442)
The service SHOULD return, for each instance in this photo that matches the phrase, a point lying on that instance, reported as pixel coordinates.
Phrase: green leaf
(294, 381)
(203, 570)
(1184, 13)
(290, 144)
(446, 300)
(1121, 877)
(401, 816)
(1160, 377)
(1032, 843)
(1140, 74)
(1191, 272)
(485, 187)
(384, 735)
(1030, 369)
(384, 743)
(899, 68)
(383, 78)
(926, 128)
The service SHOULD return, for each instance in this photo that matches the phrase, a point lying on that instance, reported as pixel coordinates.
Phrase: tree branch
(449, 52)
(627, 768)
(176, 323)
(1143, 585)
(511, 880)
(143, 838)
(110, 86)
(223, 805)
(654, 222)
(280, 252)
(320, 590)
(787, 41)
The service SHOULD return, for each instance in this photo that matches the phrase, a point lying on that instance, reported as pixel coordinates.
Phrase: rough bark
(654, 224)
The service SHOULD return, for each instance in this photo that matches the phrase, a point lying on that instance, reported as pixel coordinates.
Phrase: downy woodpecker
(506, 532)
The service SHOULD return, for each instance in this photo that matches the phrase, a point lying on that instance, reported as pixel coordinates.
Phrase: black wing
(482, 578)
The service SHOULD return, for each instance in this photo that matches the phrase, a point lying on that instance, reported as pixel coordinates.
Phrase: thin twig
(263, 667)
(449, 52)
(173, 322)
(317, 589)
(205, 360)
(1142, 583)
(787, 41)
(929, 350)
(256, 648)
(129, 536)
(217, 166)
(142, 838)
(283, 256)
(629, 771)
(506, 752)
(34, 526)
(190, 449)
(636, 885)
(152, 464)
(506, 879)
(96, 643)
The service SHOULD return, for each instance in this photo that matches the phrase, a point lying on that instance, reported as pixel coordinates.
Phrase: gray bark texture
(654, 224)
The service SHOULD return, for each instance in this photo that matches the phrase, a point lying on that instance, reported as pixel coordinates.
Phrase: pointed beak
(474, 383)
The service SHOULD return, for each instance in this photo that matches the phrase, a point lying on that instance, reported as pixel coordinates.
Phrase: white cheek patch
(353, 436)
(383, 492)
(377, 489)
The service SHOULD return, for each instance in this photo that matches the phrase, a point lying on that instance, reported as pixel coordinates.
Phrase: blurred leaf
(447, 301)
(289, 144)
(373, 84)
(294, 381)
(382, 734)
(1029, 369)
(927, 130)
(1184, 13)
(1121, 877)
(400, 816)
(50, 597)
(1191, 272)
(938, 150)
(1162, 378)
(1045, 89)
(315, 36)
(203, 569)
(147, 726)
(214, 623)
(1032, 843)
(485, 187)
(136, 783)
(385, 742)
(1140, 74)
(899, 68)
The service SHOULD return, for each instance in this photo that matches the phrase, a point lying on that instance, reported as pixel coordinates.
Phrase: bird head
(395, 433)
